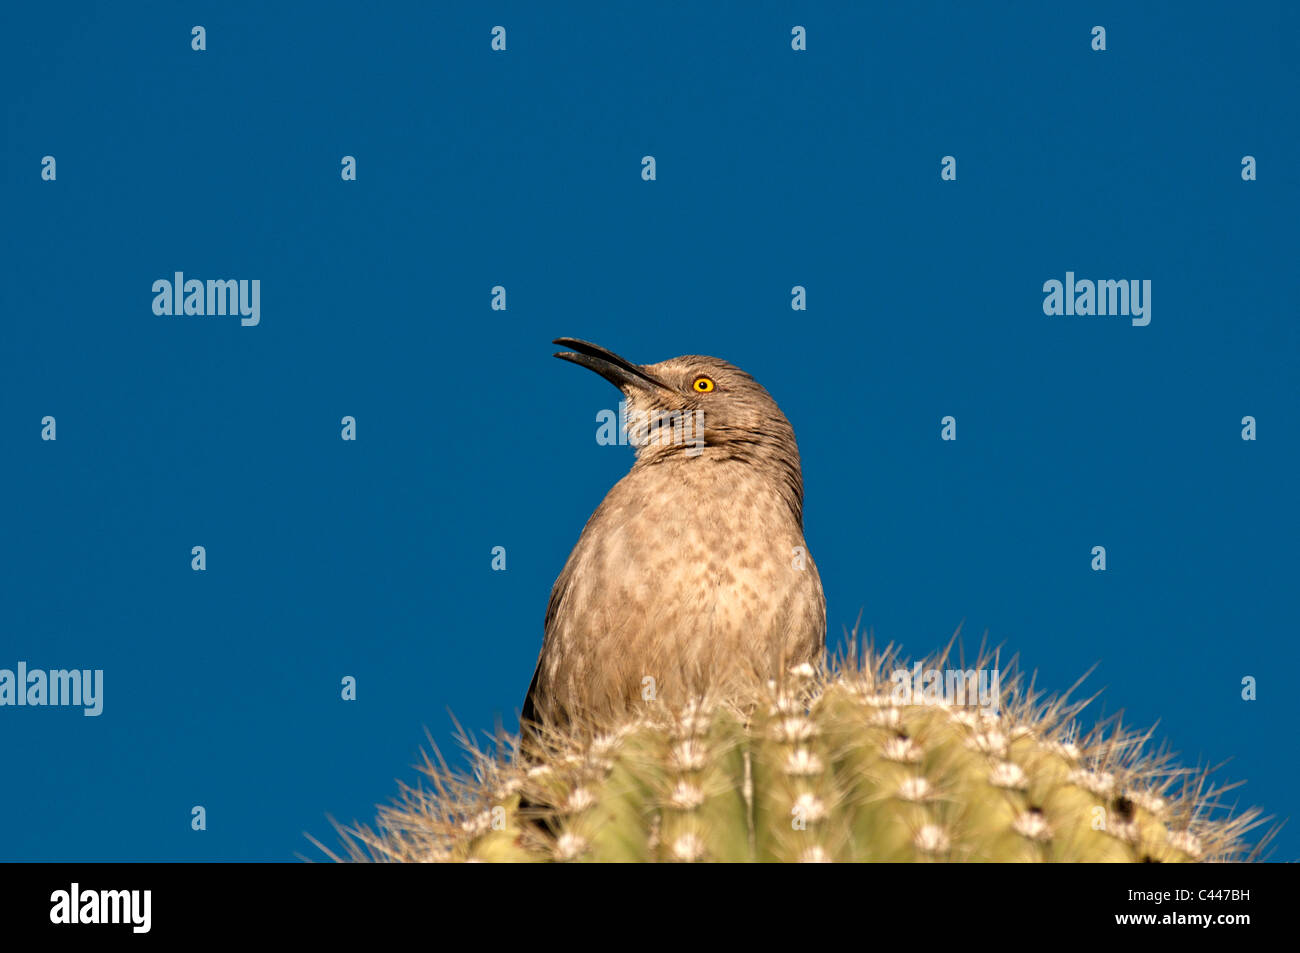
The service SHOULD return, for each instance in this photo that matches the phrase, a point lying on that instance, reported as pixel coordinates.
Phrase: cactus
(827, 767)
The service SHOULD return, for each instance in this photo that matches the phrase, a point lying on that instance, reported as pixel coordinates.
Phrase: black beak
(618, 371)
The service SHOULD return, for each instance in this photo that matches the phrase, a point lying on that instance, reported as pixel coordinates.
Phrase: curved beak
(618, 371)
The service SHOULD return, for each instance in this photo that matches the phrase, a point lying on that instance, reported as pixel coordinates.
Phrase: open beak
(618, 371)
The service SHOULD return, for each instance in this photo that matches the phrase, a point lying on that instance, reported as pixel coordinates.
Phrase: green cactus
(828, 767)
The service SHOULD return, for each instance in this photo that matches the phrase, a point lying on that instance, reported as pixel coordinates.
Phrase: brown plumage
(693, 572)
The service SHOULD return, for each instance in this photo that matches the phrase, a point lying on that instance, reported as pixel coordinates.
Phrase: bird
(693, 573)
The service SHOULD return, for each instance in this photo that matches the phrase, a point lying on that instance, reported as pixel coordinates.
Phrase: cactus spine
(828, 767)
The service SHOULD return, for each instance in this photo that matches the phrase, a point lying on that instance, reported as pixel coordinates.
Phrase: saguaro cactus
(834, 765)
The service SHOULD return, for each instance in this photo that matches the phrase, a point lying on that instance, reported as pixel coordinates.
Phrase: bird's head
(693, 406)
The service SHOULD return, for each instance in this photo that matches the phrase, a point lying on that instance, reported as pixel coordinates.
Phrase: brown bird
(693, 572)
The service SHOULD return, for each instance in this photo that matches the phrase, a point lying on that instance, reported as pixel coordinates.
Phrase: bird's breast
(702, 533)
(680, 580)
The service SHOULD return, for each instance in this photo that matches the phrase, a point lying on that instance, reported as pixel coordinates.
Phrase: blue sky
(372, 558)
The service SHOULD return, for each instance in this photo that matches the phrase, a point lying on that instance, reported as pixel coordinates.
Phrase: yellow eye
(702, 385)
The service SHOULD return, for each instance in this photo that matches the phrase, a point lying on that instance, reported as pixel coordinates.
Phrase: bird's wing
(615, 498)
(558, 591)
